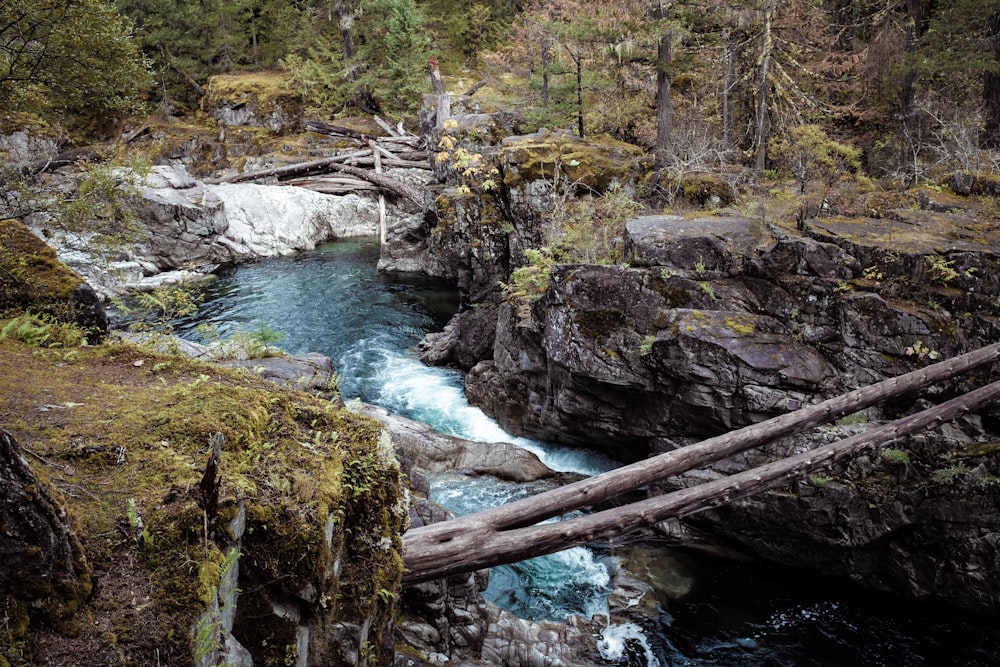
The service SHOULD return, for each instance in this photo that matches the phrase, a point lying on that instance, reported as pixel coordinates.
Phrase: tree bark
(767, 44)
(482, 547)
(43, 561)
(664, 105)
(609, 485)
(991, 88)
(345, 16)
(728, 77)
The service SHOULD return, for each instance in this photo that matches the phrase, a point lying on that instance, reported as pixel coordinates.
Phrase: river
(714, 611)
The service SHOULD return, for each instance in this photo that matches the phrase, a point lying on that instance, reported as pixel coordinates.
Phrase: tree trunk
(991, 88)
(578, 65)
(908, 86)
(609, 485)
(546, 56)
(767, 44)
(481, 547)
(728, 76)
(345, 16)
(43, 562)
(443, 100)
(664, 105)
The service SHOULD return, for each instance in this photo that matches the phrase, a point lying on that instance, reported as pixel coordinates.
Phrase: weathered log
(331, 183)
(590, 491)
(480, 546)
(611, 484)
(337, 131)
(63, 159)
(290, 171)
(400, 188)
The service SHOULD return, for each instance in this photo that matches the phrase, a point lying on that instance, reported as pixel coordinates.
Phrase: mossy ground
(111, 425)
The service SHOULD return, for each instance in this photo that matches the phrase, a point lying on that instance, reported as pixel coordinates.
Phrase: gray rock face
(606, 345)
(722, 321)
(188, 224)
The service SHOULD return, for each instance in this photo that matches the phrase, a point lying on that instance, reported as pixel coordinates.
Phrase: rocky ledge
(713, 321)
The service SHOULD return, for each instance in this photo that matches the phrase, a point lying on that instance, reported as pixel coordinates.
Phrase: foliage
(892, 455)
(157, 310)
(529, 282)
(69, 55)
(95, 205)
(592, 227)
(808, 153)
(388, 72)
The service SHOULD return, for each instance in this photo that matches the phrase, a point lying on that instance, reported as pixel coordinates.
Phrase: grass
(121, 432)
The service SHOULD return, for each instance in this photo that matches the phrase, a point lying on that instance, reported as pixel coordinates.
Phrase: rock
(605, 346)
(706, 247)
(433, 452)
(260, 99)
(189, 228)
(310, 372)
(32, 278)
(467, 339)
(295, 219)
(44, 566)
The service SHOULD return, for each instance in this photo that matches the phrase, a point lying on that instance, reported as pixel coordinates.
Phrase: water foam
(626, 643)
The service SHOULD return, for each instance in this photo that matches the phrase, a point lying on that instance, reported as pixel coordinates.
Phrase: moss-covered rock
(124, 431)
(33, 279)
(262, 99)
(588, 164)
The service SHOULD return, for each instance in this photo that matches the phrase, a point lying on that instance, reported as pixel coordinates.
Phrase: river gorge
(711, 610)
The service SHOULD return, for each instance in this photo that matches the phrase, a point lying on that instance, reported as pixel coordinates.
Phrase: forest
(897, 90)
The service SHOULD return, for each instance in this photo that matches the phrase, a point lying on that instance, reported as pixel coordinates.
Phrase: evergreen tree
(68, 55)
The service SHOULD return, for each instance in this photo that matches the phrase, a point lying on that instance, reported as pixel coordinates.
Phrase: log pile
(355, 170)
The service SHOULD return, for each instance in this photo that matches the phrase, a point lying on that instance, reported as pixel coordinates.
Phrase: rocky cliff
(708, 321)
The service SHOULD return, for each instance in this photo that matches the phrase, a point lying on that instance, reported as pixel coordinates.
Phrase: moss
(740, 324)
(30, 273)
(700, 188)
(591, 164)
(599, 324)
(268, 90)
(120, 430)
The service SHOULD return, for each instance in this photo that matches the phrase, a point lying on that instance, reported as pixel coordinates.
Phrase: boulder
(258, 99)
(701, 247)
(32, 278)
(423, 448)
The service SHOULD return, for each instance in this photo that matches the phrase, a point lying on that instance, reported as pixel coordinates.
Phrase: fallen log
(588, 492)
(334, 185)
(405, 190)
(337, 131)
(290, 171)
(63, 159)
(481, 546)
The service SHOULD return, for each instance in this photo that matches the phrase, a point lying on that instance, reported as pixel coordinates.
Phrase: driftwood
(63, 159)
(399, 149)
(481, 547)
(333, 185)
(447, 545)
(337, 131)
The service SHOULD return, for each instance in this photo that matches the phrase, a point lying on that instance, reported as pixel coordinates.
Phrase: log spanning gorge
(716, 611)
